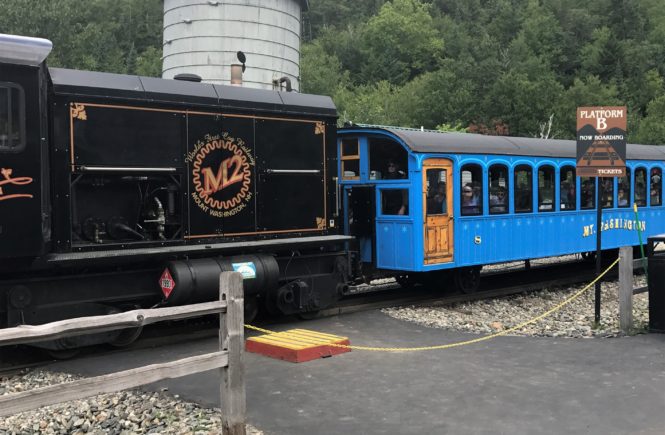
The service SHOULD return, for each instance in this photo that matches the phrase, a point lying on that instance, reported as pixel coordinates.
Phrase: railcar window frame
(13, 108)
(656, 185)
(625, 184)
(642, 202)
(499, 204)
(570, 204)
(594, 194)
(542, 205)
(519, 193)
(608, 197)
(475, 203)
(350, 159)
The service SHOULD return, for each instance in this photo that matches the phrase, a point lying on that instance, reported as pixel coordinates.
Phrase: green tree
(400, 42)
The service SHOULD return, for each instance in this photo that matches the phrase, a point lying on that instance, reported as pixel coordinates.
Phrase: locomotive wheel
(467, 279)
(251, 308)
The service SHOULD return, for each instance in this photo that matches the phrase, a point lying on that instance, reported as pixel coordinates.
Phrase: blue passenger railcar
(423, 201)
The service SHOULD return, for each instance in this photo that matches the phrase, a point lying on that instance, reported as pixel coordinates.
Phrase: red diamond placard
(166, 283)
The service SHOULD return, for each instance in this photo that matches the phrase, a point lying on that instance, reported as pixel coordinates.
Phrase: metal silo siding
(203, 38)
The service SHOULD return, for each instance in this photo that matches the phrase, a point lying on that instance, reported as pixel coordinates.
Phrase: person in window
(567, 195)
(607, 193)
(655, 195)
(499, 201)
(437, 203)
(470, 204)
(394, 172)
(396, 200)
(622, 199)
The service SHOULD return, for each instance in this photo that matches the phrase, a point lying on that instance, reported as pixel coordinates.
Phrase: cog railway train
(119, 191)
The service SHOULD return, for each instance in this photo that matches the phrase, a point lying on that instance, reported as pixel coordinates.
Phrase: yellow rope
(466, 342)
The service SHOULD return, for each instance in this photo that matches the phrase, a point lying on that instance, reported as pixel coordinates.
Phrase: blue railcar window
(350, 156)
(387, 159)
(498, 179)
(523, 189)
(623, 195)
(656, 186)
(12, 117)
(588, 194)
(395, 202)
(608, 192)
(641, 187)
(567, 189)
(436, 191)
(472, 190)
(546, 188)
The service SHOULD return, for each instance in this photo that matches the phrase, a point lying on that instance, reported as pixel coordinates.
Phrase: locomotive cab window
(12, 117)
(388, 160)
(641, 187)
(472, 190)
(523, 189)
(498, 179)
(655, 186)
(567, 189)
(588, 194)
(350, 156)
(546, 188)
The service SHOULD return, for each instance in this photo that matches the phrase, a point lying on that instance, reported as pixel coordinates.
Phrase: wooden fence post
(232, 339)
(626, 288)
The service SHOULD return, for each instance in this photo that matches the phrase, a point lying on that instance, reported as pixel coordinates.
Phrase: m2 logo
(221, 174)
(215, 182)
(7, 180)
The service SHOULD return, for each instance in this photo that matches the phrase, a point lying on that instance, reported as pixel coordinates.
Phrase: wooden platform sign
(601, 141)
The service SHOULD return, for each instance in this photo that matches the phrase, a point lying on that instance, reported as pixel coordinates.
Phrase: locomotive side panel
(24, 225)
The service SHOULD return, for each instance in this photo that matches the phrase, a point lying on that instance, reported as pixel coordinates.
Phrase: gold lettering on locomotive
(221, 175)
(17, 181)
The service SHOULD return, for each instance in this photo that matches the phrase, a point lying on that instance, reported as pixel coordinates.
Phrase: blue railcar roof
(428, 141)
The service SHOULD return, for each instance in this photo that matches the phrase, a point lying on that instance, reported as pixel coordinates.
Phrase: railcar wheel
(588, 256)
(62, 354)
(467, 279)
(405, 280)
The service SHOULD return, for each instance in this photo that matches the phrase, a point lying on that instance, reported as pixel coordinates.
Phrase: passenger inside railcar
(470, 203)
(588, 198)
(395, 201)
(622, 198)
(608, 192)
(656, 187)
(436, 204)
(624, 184)
(499, 200)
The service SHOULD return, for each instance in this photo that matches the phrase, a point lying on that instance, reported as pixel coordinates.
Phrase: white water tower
(203, 37)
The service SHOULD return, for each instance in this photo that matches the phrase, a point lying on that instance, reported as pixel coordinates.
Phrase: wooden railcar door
(438, 210)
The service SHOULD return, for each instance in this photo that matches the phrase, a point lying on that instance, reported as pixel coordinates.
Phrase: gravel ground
(127, 412)
(574, 320)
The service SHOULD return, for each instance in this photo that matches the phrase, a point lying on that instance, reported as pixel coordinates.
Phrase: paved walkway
(508, 385)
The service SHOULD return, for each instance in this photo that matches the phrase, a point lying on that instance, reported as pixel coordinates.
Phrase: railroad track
(497, 283)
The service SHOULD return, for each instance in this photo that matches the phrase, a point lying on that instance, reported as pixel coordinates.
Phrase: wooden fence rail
(626, 290)
(229, 359)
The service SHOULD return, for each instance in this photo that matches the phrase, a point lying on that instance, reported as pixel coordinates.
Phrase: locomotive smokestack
(236, 74)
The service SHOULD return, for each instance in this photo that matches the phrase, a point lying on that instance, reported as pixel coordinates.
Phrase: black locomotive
(119, 191)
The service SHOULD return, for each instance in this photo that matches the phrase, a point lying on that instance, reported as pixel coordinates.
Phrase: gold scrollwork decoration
(320, 128)
(78, 112)
(320, 223)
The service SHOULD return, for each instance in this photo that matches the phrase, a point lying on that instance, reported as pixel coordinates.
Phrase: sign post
(601, 152)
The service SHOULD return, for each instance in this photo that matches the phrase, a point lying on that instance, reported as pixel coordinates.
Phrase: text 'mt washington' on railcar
(112, 186)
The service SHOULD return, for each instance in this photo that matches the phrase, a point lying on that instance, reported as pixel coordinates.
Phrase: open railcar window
(472, 190)
(567, 189)
(623, 194)
(12, 117)
(641, 187)
(523, 189)
(656, 186)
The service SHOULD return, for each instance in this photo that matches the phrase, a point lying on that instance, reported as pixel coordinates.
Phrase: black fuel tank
(198, 280)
